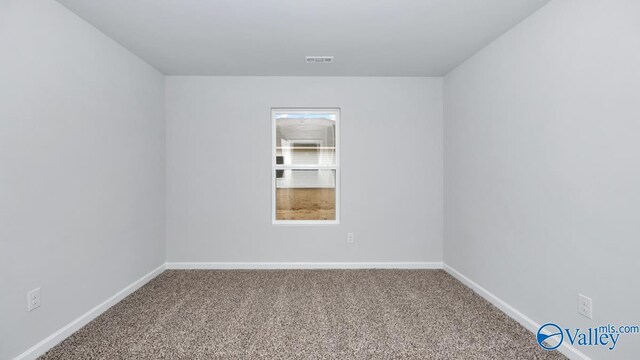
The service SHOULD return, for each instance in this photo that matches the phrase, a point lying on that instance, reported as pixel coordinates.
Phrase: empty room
(289, 179)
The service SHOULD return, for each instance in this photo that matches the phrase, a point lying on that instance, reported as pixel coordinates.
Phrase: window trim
(274, 166)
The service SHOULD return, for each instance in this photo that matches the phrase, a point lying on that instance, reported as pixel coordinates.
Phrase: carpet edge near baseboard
(528, 323)
(57, 337)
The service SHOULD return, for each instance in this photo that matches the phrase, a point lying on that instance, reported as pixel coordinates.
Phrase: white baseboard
(566, 349)
(55, 338)
(303, 265)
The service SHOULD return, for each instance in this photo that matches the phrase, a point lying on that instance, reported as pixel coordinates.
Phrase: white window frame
(274, 166)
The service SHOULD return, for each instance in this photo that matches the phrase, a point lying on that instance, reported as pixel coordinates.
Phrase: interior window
(305, 166)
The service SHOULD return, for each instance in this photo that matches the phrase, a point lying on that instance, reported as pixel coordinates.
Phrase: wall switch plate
(33, 299)
(585, 306)
(351, 238)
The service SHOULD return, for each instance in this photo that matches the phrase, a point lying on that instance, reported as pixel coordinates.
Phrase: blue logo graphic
(549, 331)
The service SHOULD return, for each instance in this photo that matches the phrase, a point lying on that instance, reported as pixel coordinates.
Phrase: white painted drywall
(542, 166)
(219, 169)
(81, 169)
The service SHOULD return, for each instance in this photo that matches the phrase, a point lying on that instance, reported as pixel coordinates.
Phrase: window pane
(305, 139)
(306, 195)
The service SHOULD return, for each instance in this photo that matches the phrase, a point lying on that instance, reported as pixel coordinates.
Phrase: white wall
(542, 166)
(219, 169)
(81, 169)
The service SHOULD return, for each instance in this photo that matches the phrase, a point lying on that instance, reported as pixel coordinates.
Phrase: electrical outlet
(351, 238)
(33, 299)
(585, 306)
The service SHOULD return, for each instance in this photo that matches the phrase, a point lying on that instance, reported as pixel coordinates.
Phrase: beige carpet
(302, 314)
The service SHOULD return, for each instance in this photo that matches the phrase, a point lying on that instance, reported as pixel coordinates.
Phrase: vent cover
(319, 59)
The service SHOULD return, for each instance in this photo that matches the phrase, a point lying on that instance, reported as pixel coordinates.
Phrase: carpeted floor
(302, 314)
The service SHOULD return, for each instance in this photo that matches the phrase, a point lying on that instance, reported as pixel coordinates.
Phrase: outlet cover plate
(351, 238)
(33, 299)
(585, 306)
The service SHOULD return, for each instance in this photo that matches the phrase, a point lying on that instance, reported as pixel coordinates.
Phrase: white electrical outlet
(33, 299)
(585, 306)
(351, 238)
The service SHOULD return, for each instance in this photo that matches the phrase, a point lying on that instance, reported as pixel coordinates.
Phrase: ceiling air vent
(319, 59)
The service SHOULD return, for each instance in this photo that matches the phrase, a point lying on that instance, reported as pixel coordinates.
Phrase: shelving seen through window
(305, 164)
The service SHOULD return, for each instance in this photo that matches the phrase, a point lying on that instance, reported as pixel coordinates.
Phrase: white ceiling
(272, 37)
